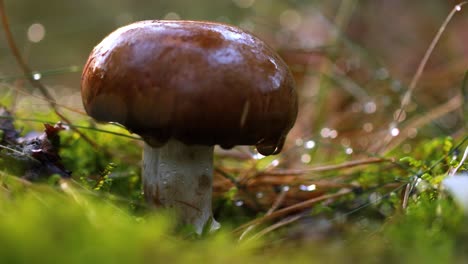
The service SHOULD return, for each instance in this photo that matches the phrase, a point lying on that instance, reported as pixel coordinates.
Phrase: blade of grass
(414, 81)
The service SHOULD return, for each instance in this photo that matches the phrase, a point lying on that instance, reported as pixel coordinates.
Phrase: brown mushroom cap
(198, 82)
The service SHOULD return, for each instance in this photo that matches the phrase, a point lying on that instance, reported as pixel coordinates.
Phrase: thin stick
(277, 225)
(343, 165)
(407, 97)
(293, 208)
(28, 73)
(275, 206)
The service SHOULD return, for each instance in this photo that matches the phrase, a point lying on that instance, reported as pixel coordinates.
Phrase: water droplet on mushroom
(267, 147)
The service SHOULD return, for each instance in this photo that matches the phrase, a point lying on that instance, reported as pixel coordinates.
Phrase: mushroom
(185, 86)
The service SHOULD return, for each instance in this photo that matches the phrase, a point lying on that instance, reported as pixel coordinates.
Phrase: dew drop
(370, 107)
(310, 144)
(374, 197)
(305, 158)
(345, 142)
(299, 142)
(290, 19)
(172, 16)
(396, 86)
(349, 151)
(238, 203)
(458, 7)
(325, 132)
(381, 74)
(275, 163)
(368, 127)
(399, 115)
(36, 32)
(285, 188)
(307, 188)
(37, 76)
(259, 195)
(268, 147)
(328, 133)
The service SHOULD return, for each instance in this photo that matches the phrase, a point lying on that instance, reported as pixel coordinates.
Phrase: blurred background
(352, 60)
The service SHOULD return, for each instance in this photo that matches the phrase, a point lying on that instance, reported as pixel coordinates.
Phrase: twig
(28, 73)
(231, 178)
(344, 165)
(279, 200)
(277, 225)
(293, 208)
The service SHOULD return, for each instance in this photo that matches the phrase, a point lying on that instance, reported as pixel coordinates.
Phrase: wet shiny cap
(198, 82)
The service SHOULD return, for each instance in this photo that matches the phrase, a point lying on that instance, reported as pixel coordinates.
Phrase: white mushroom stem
(180, 176)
